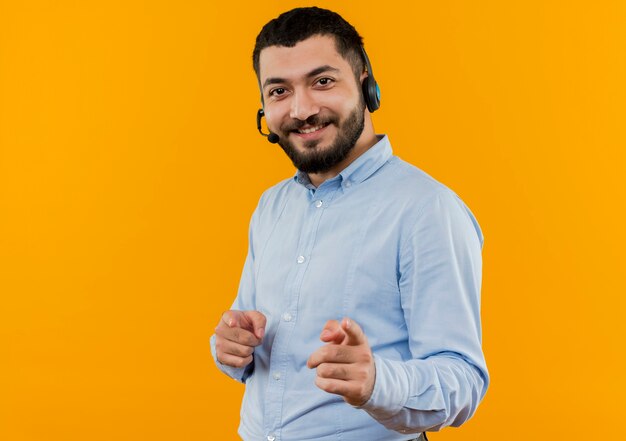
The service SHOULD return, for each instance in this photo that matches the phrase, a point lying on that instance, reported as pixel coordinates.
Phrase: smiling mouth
(311, 129)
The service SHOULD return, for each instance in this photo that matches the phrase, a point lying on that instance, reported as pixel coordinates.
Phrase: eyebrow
(313, 73)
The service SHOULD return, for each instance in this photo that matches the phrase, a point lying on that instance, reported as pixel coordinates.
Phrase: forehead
(295, 62)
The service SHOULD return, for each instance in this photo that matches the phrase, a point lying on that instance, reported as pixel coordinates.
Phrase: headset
(371, 91)
(371, 96)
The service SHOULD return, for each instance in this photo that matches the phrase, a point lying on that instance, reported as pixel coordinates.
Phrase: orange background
(130, 165)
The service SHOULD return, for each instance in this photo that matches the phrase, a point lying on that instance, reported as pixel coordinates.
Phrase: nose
(303, 105)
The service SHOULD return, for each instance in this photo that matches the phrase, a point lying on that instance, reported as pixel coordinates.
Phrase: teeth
(311, 130)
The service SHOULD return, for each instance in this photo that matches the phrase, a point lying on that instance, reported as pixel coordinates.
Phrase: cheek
(342, 104)
(275, 114)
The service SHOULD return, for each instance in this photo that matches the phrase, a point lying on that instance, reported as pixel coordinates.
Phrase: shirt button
(271, 437)
(276, 376)
(287, 317)
(318, 204)
(300, 259)
(348, 183)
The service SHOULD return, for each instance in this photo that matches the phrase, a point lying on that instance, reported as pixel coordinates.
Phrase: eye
(325, 81)
(277, 92)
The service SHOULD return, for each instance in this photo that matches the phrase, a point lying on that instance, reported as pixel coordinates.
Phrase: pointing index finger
(228, 319)
(332, 332)
(354, 334)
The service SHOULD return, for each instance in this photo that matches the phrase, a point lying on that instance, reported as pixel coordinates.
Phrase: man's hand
(236, 336)
(345, 366)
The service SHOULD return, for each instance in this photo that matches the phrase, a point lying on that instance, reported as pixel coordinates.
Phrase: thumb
(257, 322)
(354, 334)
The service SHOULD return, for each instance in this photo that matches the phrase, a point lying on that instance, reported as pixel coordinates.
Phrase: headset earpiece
(371, 91)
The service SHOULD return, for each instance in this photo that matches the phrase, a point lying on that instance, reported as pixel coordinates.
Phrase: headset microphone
(271, 137)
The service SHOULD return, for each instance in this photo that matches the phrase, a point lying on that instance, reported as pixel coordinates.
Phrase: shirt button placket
(289, 317)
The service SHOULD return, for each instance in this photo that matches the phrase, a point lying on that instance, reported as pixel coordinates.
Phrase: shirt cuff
(239, 374)
(391, 389)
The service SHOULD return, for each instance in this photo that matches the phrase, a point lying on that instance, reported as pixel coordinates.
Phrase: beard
(320, 160)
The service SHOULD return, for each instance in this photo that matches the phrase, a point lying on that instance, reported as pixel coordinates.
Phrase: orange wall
(130, 164)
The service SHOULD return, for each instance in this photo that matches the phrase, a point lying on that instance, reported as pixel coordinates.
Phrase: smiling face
(313, 102)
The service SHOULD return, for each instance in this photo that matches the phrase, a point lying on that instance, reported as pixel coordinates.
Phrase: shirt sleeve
(243, 302)
(440, 279)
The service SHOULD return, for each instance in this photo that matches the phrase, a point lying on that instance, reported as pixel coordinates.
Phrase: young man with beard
(358, 312)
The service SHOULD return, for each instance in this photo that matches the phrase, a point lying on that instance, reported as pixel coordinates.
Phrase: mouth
(310, 132)
(311, 129)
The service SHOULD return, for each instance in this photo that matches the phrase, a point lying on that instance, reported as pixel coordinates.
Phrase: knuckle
(240, 362)
(367, 357)
(325, 352)
(330, 387)
(362, 391)
(245, 351)
(336, 372)
(319, 383)
(324, 370)
(335, 351)
(236, 334)
(362, 374)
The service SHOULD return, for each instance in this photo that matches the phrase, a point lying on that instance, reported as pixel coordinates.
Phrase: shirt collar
(360, 169)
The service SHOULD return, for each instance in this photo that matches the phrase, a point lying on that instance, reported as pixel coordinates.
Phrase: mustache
(313, 120)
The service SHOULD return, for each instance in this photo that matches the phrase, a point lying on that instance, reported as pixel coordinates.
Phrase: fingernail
(325, 333)
(231, 322)
(261, 333)
(348, 323)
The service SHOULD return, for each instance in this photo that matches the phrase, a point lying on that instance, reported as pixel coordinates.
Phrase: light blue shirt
(396, 251)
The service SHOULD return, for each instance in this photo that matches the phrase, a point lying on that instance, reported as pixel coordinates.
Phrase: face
(312, 101)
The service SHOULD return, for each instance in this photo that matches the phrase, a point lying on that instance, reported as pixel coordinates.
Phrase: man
(357, 316)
